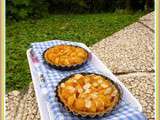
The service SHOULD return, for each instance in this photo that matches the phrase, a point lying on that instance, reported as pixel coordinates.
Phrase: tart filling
(65, 55)
(88, 94)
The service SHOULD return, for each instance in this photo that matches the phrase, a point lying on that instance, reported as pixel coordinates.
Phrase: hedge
(23, 9)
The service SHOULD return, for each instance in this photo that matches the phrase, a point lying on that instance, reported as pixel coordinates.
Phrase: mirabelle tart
(88, 94)
(65, 55)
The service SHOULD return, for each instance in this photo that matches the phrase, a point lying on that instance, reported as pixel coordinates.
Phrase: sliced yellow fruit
(80, 104)
(71, 100)
(93, 107)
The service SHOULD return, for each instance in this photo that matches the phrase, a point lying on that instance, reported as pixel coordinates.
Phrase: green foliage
(85, 28)
(23, 9)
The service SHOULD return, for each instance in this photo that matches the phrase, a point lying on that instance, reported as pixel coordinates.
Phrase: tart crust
(70, 99)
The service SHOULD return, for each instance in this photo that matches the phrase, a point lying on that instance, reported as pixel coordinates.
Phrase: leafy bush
(21, 9)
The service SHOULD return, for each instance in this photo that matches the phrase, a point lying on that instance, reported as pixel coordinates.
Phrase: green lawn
(86, 28)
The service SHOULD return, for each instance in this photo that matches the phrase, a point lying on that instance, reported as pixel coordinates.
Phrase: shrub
(22, 9)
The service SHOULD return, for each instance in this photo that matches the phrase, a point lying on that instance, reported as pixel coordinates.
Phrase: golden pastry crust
(65, 55)
(88, 95)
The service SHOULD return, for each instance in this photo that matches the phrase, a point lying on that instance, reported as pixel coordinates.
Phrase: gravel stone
(143, 90)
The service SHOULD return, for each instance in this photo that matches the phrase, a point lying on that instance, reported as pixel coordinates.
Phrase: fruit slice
(106, 100)
(99, 104)
(77, 76)
(93, 107)
(66, 93)
(80, 104)
(71, 100)
(108, 90)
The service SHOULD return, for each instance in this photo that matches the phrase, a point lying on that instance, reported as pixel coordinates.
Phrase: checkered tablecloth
(52, 77)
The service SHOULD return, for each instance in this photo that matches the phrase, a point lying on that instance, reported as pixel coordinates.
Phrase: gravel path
(129, 50)
(128, 53)
(22, 105)
(141, 85)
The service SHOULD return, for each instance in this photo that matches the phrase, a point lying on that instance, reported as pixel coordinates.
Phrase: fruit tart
(66, 57)
(88, 94)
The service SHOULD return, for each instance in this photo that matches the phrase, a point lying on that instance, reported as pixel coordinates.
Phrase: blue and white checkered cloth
(52, 77)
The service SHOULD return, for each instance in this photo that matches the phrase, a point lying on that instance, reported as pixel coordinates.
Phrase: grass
(86, 28)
